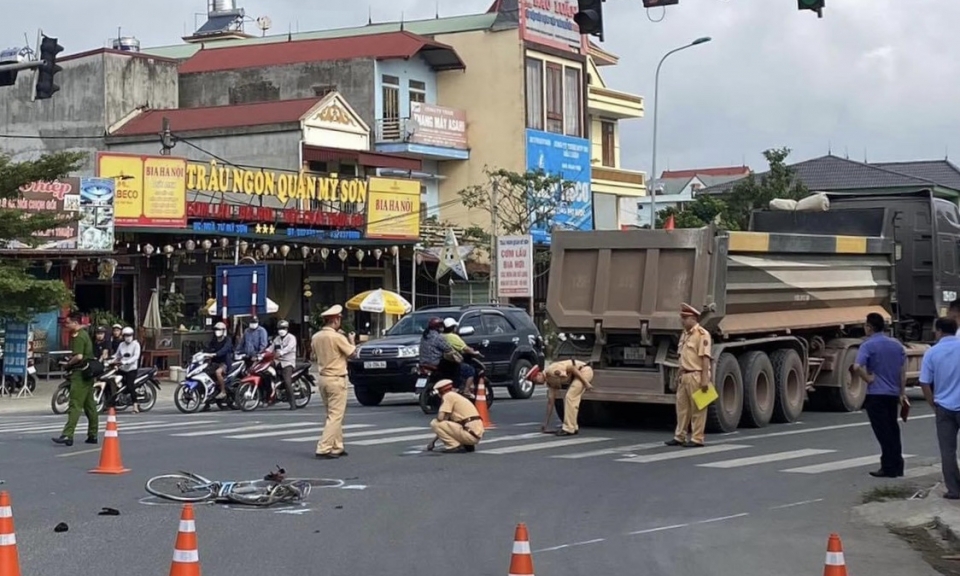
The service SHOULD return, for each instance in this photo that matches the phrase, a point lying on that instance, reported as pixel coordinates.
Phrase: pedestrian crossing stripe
(838, 465)
(683, 453)
(313, 429)
(765, 458)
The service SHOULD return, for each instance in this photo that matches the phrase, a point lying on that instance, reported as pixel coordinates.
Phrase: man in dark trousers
(940, 381)
(882, 364)
(81, 385)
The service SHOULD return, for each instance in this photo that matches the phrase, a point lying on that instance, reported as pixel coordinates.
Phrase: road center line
(658, 529)
(78, 453)
(722, 518)
(562, 546)
(793, 504)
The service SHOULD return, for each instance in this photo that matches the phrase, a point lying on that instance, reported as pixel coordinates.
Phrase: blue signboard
(568, 158)
(240, 281)
(15, 347)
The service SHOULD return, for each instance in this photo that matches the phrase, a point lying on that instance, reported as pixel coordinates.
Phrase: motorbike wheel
(149, 397)
(60, 401)
(102, 404)
(429, 403)
(31, 383)
(488, 390)
(186, 400)
(247, 397)
(302, 392)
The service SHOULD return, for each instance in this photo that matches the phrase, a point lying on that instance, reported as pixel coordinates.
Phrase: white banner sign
(514, 267)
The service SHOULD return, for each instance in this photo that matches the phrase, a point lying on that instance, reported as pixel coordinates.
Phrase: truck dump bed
(746, 282)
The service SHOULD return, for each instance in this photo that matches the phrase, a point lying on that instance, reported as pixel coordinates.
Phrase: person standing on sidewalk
(285, 348)
(940, 381)
(332, 348)
(694, 374)
(81, 385)
(882, 364)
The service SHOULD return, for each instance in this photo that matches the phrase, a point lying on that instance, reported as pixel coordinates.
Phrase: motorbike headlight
(409, 351)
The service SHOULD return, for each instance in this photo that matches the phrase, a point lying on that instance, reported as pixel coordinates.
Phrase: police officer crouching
(458, 424)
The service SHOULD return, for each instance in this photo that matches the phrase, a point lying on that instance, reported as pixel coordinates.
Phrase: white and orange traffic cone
(110, 460)
(835, 564)
(482, 406)
(9, 559)
(521, 561)
(186, 556)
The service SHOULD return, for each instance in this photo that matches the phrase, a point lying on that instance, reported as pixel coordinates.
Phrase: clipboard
(703, 399)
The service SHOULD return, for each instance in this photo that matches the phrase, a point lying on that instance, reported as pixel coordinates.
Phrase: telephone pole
(495, 223)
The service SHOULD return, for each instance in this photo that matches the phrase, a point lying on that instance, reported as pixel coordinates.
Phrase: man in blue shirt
(255, 339)
(881, 363)
(940, 380)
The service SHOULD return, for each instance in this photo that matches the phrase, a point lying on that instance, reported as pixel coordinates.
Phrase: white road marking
(319, 431)
(103, 424)
(683, 453)
(721, 519)
(512, 437)
(152, 427)
(562, 546)
(69, 454)
(748, 437)
(658, 529)
(608, 451)
(312, 429)
(393, 440)
(764, 458)
(527, 424)
(839, 465)
(244, 429)
(794, 504)
(542, 445)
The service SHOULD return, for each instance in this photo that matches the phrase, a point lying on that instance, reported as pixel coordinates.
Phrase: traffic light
(655, 3)
(590, 17)
(815, 5)
(49, 48)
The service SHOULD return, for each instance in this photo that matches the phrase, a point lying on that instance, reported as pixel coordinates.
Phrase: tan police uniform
(332, 349)
(556, 377)
(462, 426)
(695, 350)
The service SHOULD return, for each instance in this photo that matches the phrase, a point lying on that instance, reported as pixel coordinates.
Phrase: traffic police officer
(458, 424)
(578, 376)
(693, 375)
(332, 349)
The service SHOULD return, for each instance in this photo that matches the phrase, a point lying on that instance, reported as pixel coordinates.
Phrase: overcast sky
(874, 78)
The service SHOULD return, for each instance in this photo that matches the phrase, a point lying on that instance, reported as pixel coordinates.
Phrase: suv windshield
(415, 323)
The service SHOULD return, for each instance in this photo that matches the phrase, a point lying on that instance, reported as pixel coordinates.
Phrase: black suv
(505, 335)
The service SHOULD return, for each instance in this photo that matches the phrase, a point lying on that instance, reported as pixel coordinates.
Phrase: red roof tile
(235, 116)
(725, 171)
(375, 46)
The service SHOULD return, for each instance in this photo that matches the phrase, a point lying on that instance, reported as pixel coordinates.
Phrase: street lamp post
(656, 94)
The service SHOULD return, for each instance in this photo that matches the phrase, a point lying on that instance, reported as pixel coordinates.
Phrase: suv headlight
(409, 351)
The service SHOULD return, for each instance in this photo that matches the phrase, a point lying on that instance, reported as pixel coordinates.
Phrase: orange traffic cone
(482, 406)
(521, 561)
(186, 557)
(110, 460)
(834, 565)
(9, 559)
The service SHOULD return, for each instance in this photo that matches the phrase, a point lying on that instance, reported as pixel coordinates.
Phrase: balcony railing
(394, 130)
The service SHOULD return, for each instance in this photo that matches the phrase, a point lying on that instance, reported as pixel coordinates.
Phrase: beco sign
(214, 177)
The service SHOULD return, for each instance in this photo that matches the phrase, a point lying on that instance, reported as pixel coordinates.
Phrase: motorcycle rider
(435, 352)
(102, 346)
(458, 424)
(128, 357)
(255, 339)
(467, 371)
(285, 348)
(116, 338)
(222, 348)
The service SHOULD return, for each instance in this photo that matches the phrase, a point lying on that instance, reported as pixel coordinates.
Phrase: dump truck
(785, 303)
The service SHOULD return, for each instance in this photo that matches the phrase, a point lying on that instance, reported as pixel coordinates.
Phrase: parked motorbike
(109, 385)
(429, 376)
(264, 385)
(199, 390)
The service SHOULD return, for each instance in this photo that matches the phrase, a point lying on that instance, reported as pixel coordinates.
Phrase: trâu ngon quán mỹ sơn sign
(285, 186)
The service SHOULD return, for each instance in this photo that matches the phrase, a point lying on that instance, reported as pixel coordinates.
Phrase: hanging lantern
(377, 253)
(191, 245)
(206, 244)
(168, 249)
(343, 255)
(264, 249)
(47, 265)
(419, 258)
(324, 252)
(243, 246)
(394, 250)
(308, 294)
(284, 250)
(360, 254)
(224, 242)
(73, 263)
(147, 249)
(305, 250)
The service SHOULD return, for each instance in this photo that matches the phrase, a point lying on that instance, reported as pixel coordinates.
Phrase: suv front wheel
(521, 388)
(367, 397)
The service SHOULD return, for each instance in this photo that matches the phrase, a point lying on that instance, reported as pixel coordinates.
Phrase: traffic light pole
(15, 67)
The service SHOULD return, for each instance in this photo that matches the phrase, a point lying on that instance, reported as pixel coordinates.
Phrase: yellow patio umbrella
(379, 301)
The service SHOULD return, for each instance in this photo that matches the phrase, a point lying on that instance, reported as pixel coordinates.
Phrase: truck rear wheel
(851, 392)
(759, 392)
(724, 414)
(791, 382)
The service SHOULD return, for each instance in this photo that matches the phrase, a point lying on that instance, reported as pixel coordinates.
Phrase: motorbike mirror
(466, 331)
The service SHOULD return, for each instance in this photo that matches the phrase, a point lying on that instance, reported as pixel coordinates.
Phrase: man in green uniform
(81, 387)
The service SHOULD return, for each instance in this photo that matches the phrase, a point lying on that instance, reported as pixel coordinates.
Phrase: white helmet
(128, 331)
(220, 326)
(450, 323)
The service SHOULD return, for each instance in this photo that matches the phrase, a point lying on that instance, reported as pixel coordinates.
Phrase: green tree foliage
(732, 210)
(21, 295)
(523, 201)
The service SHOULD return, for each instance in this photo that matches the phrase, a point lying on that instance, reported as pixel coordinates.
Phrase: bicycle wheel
(179, 488)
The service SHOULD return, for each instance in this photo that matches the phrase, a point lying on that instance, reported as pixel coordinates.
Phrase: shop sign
(568, 158)
(323, 234)
(284, 186)
(151, 190)
(88, 202)
(550, 22)
(288, 216)
(514, 267)
(438, 126)
(16, 348)
(393, 212)
(225, 227)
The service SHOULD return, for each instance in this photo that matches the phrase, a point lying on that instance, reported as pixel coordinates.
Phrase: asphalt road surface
(609, 501)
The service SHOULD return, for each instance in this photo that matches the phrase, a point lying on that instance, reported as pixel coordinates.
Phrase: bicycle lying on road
(190, 487)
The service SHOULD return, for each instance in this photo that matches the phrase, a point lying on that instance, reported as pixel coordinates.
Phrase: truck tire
(367, 397)
(724, 414)
(791, 383)
(591, 414)
(759, 391)
(850, 394)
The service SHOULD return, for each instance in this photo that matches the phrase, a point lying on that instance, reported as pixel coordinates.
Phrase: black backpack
(93, 369)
